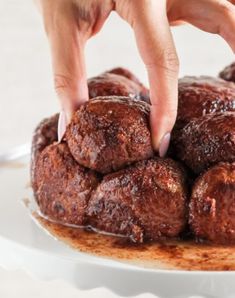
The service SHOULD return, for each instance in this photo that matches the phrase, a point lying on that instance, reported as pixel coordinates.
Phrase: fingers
(214, 16)
(69, 24)
(156, 47)
(227, 31)
(67, 51)
(158, 52)
(62, 124)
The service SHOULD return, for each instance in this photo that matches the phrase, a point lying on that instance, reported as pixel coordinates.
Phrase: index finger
(157, 49)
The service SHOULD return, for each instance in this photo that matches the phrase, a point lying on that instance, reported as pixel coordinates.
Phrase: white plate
(26, 246)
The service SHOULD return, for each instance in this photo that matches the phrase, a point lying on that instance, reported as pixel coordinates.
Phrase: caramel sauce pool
(168, 255)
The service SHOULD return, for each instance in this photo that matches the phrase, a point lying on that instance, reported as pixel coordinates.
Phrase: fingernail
(62, 123)
(165, 142)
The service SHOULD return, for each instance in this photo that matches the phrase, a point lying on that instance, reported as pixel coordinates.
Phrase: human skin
(70, 23)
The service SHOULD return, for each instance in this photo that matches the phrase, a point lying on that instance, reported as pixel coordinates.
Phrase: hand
(70, 23)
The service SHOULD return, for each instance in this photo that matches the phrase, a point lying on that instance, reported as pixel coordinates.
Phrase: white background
(26, 94)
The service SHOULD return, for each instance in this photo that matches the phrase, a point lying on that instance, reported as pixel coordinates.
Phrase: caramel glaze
(228, 73)
(108, 127)
(175, 254)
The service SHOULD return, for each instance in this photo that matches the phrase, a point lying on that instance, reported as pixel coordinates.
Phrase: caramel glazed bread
(105, 174)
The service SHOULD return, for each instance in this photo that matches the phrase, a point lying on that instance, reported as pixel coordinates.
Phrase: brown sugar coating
(206, 141)
(44, 135)
(228, 73)
(146, 201)
(125, 73)
(144, 92)
(212, 206)
(142, 197)
(64, 187)
(109, 83)
(109, 133)
(203, 95)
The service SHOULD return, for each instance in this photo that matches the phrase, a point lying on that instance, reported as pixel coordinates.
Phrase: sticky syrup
(186, 255)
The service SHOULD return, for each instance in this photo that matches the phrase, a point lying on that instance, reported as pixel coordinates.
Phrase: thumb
(69, 69)
(69, 77)
(68, 62)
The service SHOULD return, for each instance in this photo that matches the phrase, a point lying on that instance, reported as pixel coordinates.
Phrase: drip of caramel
(186, 255)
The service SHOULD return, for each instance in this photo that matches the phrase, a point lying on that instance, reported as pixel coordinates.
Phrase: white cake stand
(23, 245)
